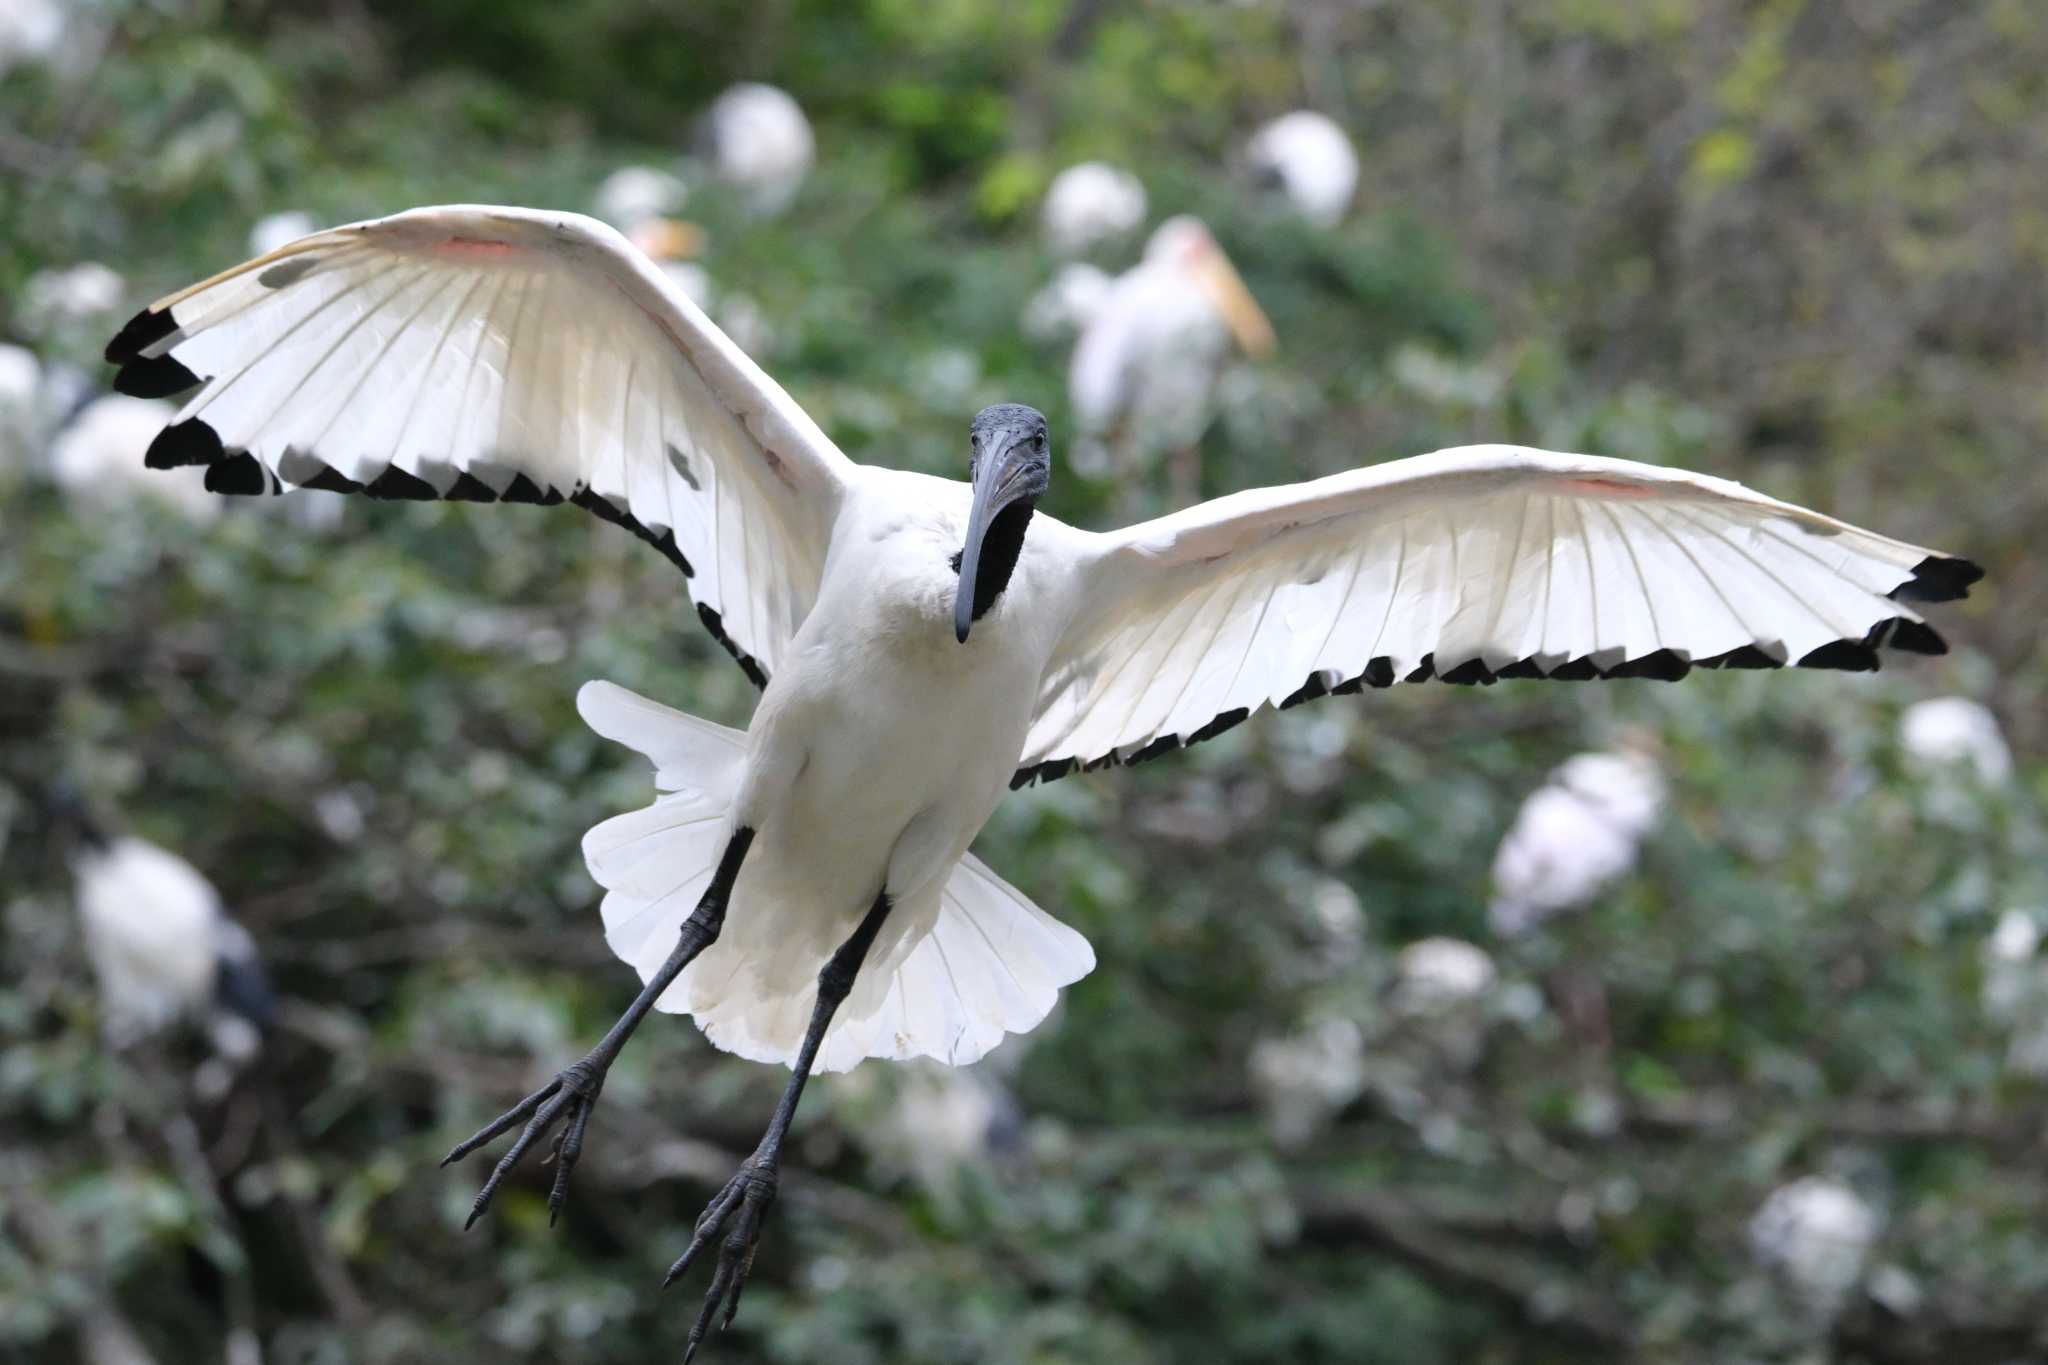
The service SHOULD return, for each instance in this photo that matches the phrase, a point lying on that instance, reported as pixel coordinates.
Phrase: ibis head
(1009, 464)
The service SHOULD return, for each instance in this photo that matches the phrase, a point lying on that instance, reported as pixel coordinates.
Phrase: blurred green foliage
(1792, 243)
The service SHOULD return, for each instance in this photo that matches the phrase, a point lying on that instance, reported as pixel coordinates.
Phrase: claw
(569, 1096)
(750, 1193)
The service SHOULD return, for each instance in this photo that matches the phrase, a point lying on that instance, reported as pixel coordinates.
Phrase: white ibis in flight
(924, 644)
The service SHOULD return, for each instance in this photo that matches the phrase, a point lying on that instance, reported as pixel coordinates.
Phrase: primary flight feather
(805, 889)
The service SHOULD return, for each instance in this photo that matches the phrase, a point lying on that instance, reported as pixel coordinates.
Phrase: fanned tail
(981, 963)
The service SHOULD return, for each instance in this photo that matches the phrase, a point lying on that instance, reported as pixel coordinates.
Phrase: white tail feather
(984, 961)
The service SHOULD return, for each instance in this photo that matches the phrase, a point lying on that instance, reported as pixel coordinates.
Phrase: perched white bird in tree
(1146, 364)
(1306, 158)
(804, 889)
(162, 946)
(1088, 204)
(758, 139)
(1575, 834)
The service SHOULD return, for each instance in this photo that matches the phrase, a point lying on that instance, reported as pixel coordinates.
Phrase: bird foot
(744, 1203)
(567, 1099)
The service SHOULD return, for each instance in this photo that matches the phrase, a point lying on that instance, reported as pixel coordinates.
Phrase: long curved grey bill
(988, 477)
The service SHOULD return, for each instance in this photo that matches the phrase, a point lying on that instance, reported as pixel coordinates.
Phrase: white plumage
(1574, 835)
(921, 644)
(1088, 204)
(761, 142)
(1308, 159)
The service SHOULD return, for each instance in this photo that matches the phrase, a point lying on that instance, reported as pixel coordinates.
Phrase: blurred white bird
(1306, 158)
(97, 459)
(1089, 204)
(1574, 835)
(1304, 1078)
(944, 1118)
(21, 398)
(1144, 371)
(274, 230)
(760, 141)
(1817, 1233)
(162, 947)
(30, 31)
(632, 195)
(64, 307)
(1067, 303)
(1439, 973)
(1955, 731)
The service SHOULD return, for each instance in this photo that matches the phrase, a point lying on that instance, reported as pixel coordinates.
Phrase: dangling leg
(573, 1094)
(751, 1191)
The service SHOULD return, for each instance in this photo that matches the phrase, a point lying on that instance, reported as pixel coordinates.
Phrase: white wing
(489, 354)
(1467, 565)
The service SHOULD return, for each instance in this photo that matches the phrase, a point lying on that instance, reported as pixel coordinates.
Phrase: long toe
(566, 1100)
(744, 1204)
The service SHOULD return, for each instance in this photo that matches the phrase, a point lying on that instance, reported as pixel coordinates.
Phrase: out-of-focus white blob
(2015, 990)
(30, 31)
(1089, 204)
(97, 459)
(1574, 835)
(1440, 973)
(1817, 1233)
(693, 279)
(21, 414)
(1304, 1079)
(761, 142)
(1067, 303)
(632, 194)
(740, 318)
(945, 1118)
(53, 301)
(1307, 158)
(163, 949)
(1953, 731)
(274, 230)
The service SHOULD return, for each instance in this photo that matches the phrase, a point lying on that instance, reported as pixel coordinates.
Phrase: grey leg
(751, 1191)
(573, 1094)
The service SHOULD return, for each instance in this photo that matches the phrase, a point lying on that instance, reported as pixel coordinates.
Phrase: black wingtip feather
(239, 475)
(396, 485)
(1850, 656)
(142, 331)
(1938, 578)
(158, 377)
(183, 443)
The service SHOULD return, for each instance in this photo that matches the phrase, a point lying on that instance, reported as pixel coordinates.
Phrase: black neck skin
(1000, 546)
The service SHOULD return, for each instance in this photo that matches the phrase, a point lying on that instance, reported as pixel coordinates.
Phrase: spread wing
(1466, 566)
(500, 354)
